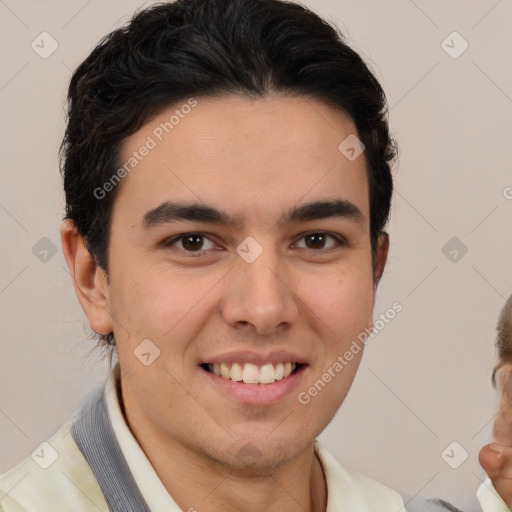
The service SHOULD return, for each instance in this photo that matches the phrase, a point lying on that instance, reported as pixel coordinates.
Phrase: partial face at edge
(300, 289)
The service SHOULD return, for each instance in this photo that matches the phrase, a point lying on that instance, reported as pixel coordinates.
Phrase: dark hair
(504, 338)
(196, 48)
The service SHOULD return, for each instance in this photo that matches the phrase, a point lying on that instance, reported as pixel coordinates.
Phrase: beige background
(425, 379)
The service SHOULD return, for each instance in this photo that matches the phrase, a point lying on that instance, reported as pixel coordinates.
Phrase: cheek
(343, 301)
(156, 303)
(355, 308)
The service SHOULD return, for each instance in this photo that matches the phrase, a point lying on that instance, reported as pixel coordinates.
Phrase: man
(227, 180)
(495, 494)
(496, 458)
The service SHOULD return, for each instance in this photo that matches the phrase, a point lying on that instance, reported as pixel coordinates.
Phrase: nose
(260, 297)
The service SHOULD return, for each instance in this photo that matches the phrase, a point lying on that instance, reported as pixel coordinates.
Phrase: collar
(144, 474)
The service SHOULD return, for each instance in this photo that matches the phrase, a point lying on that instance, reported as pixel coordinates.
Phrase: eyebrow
(175, 211)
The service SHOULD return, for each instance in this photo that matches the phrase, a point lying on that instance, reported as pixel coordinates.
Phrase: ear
(90, 281)
(381, 256)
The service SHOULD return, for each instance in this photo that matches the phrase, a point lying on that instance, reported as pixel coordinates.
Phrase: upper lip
(256, 358)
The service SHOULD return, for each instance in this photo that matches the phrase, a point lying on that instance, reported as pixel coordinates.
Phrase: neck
(197, 482)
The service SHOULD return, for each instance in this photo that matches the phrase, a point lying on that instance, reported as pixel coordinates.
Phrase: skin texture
(496, 458)
(255, 159)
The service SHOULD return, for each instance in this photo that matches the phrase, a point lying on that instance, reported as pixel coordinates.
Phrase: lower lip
(257, 394)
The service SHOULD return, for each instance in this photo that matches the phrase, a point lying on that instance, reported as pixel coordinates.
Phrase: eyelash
(340, 241)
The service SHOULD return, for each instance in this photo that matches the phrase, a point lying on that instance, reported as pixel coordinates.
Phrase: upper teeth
(252, 374)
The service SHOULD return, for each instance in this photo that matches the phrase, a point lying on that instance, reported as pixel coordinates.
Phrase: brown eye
(319, 240)
(315, 241)
(190, 242)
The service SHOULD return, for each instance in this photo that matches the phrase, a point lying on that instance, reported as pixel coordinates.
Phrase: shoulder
(55, 477)
(353, 490)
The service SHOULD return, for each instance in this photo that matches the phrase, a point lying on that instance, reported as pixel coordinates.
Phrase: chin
(262, 455)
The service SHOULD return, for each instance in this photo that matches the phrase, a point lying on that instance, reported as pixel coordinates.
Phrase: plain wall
(425, 379)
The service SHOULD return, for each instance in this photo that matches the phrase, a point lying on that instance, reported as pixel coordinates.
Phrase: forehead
(251, 156)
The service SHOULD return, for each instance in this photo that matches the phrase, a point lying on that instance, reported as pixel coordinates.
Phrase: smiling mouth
(249, 373)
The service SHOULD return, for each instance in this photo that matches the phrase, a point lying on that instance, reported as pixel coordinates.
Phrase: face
(240, 244)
